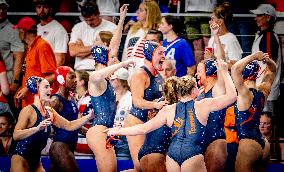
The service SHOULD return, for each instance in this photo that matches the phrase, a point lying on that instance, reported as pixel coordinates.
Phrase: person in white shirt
(84, 34)
(124, 103)
(233, 51)
(51, 30)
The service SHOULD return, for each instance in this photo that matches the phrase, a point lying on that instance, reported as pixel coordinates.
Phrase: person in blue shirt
(176, 48)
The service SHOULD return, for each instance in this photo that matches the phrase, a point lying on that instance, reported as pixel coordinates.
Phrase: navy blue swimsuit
(151, 93)
(69, 111)
(247, 122)
(188, 133)
(105, 107)
(30, 148)
(214, 129)
(158, 140)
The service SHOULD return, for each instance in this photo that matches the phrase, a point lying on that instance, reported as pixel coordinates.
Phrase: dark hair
(33, 30)
(156, 32)
(90, 8)
(224, 11)
(10, 118)
(175, 22)
(49, 3)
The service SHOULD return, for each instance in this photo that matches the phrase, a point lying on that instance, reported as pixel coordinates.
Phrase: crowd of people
(160, 103)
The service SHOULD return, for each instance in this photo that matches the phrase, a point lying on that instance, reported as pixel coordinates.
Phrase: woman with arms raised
(187, 119)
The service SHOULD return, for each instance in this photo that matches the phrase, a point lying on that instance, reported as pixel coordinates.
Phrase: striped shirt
(134, 50)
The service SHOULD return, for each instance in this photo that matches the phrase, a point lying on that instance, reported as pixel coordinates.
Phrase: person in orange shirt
(39, 61)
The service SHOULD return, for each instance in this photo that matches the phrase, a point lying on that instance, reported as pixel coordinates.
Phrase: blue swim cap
(100, 54)
(149, 48)
(251, 70)
(210, 67)
(32, 83)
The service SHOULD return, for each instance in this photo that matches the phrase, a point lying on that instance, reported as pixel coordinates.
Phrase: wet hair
(106, 36)
(153, 17)
(83, 75)
(171, 89)
(224, 11)
(90, 8)
(158, 33)
(185, 86)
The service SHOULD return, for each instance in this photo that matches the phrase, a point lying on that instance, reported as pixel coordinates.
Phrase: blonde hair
(186, 84)
(153, 18)
(171, 89)
(106, 36)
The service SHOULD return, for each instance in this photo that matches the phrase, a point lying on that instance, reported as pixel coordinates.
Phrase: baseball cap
(25, 23)
(4, 2)
(265, 9)
(121, 73)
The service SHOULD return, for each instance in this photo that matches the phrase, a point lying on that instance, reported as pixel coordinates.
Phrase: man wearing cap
(51, 30)
(267, 41)
(39, 61)
(84, 34)
(11, 48)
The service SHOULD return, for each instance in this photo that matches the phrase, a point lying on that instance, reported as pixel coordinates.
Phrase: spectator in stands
(84, 105)
(11, 48)
(4, 87)
(148, 17)
(51, 30)
(232, 49)
(40, 59)
(7, 144)
(108, 6)
(267, 41)
(84, 34)
(124, 103)
(197, 28)
(163, 5)
(176, 48)
(169, 69)
(266, 127)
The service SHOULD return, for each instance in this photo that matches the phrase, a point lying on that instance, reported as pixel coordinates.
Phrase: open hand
(112, 131)
(43, 124)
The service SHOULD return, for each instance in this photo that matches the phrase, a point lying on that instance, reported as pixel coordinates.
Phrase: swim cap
(149, 48)
(100, 54)
(61, 74)
(32, 83)
(251, 70)
(210, 67)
